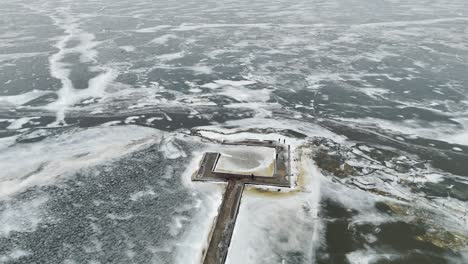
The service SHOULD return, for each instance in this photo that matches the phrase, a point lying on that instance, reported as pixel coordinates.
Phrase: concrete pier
(275, 174)
(222, 233)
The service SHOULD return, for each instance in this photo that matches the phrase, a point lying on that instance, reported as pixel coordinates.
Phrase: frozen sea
(106, 107)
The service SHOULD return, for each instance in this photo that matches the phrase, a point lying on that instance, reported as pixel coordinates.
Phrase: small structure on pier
(239, 163)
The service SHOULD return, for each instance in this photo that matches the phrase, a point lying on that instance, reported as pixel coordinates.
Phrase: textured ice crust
(83, 156)
(56, 157)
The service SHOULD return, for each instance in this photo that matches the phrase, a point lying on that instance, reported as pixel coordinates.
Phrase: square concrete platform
(250, 161)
